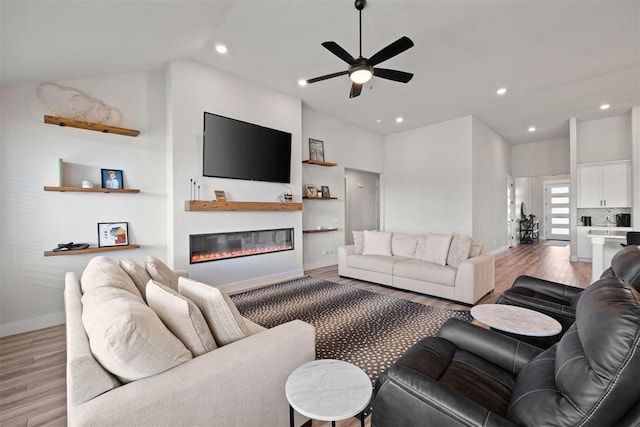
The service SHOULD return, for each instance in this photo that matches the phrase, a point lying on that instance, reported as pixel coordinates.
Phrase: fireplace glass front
(217, 246)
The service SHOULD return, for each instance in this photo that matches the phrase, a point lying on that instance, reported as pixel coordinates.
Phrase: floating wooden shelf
(91, 250)
(320, 198)
(319, 163)
(320, 230)
(92, 190)
(98, 127)
(212, 205)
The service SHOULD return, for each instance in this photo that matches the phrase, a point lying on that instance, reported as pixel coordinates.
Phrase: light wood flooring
(32, 364)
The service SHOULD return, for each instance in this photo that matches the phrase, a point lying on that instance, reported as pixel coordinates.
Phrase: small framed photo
(316, 150)
(310, 191)
(113, 234)
(220, 195)
(112, 178)
(325, 192)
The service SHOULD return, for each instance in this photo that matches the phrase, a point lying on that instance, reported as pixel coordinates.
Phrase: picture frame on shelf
(326, 194)
(113, 234)
(311, 191)
(112, 178)
(316, 150)
(220, 195)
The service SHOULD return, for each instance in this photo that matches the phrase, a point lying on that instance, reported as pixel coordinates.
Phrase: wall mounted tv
(240, 150)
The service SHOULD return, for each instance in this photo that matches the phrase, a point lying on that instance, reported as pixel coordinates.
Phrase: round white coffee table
(328, 390)
(516, 320)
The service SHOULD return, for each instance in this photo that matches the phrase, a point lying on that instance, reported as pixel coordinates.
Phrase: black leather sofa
(470, 376)
(558, 300)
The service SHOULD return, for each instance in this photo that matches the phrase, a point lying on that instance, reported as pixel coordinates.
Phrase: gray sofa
(238, 384)
(403, 265)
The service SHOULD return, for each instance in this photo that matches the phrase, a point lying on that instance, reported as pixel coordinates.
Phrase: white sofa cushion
(102, 271)
(459, 250)
(377, 243)
(160, 272)
(404, 244)
(476, 248)
(137, 273)
(182, 317)
(377, 263)
(436, 248)
(358, 241)
(425, 271)
(127, 337)
(221, 314)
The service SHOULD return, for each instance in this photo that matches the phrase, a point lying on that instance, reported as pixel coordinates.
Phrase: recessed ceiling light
(379, 121)
(220, 48)
(399, 119)
(605, 106)
(501, 91)
(532, 128)
(302, 82)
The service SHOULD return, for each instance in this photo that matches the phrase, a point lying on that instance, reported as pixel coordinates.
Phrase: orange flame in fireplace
(211, 256)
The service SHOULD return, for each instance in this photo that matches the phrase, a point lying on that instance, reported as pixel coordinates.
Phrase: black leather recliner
(470, 376)
(558, 300)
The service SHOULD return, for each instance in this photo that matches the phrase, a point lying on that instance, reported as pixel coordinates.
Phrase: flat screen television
(240, 150)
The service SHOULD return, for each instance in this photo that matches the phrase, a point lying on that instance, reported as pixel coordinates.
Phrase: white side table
(516, 320)
(328, 390)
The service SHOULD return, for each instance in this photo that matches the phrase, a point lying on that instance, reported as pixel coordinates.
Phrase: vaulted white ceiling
(558, 59)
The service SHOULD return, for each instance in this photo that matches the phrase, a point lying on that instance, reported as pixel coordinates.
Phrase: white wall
(34, 221)
(427, 179)
(361, 202)
(192, 90)
(349, 147)
(491, 157)
(604, 140)
(550, 157)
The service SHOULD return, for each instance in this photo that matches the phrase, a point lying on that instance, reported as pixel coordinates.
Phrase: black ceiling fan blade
(326, 76)
(338, 51)
(395, 75)
(395, 48)
(356, 89)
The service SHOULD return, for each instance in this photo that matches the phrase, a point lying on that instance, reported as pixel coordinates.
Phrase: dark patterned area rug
(367, 329)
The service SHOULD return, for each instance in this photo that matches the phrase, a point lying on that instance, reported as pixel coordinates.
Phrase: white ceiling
(559, 59)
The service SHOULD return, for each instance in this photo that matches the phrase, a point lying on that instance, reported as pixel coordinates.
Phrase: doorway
(362, 202)
(557, 212)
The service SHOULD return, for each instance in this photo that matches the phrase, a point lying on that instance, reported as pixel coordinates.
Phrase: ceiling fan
(362, 69)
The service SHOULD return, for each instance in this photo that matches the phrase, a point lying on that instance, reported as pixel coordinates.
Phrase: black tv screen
(240, 150)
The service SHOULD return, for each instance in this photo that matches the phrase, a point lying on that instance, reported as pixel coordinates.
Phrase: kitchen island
(605, 243)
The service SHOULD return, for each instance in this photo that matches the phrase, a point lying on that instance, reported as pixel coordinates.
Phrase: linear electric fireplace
(217, 246)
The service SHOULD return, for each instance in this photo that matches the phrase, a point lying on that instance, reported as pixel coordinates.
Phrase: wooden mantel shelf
(319, 163)
(98, 127)
(91, 250)
(212, 205)
(319, 230)
(92, 190)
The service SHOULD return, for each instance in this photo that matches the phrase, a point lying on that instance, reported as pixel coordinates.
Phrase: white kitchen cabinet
(604, 185)
(584, 251)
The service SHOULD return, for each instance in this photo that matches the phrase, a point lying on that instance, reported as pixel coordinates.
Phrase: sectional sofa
(450, 266)
(131, 364)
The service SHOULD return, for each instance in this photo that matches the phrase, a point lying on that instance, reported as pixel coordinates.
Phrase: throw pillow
(221, 314)
(159, 272)
(377, 243)
(476, 248)
(126, 337)
(358, 242)
(420, 246)
(182, 317)
(137, 273)
(436, 248)
(403, 244)
(102, 271)
(459, 250)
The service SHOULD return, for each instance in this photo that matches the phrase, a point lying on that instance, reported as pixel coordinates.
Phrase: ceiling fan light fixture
(360, 74)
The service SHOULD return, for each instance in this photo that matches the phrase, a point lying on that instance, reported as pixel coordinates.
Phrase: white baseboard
(259, 282)
(320, 264)
(32, 324)
(498, 250)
